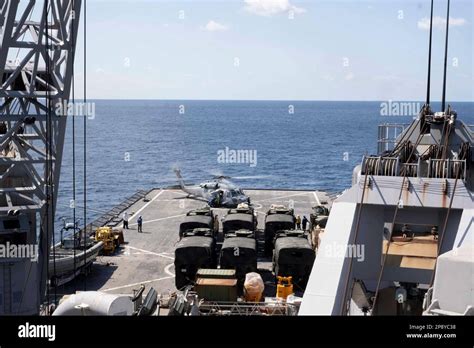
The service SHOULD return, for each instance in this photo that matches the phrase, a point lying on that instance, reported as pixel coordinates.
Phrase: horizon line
(277, 100)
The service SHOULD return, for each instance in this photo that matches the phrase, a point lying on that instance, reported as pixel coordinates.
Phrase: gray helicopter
(219, 192)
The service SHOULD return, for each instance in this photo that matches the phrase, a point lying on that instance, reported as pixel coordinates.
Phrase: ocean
(136, 144)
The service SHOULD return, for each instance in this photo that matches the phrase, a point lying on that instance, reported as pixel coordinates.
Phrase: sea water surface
(135, 144)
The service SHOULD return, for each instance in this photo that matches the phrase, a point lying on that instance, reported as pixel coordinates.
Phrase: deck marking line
(154, 220)
(146, 205)
(151, 252)
(167, 270)
(280, 197)
(316, 197)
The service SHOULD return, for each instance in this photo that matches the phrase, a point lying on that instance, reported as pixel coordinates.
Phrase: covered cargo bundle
(319, 216)
(234, 221)
(293, 256)
(253, 287)
(196, 221)
(275, 222)
(192, 253)
(239, 253)
(320, 221)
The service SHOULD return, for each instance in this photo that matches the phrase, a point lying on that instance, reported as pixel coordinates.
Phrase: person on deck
(125, 219)
(305, 223)
(298, 222)
(140, 223)
(221, 198)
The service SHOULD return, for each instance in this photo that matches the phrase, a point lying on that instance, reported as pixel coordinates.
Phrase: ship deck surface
(148, 257)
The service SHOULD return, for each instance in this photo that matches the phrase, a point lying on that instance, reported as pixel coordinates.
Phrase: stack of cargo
(243, 217)
(239, 252)
(277, 218)
(219, 285)
(199, 218)
(293, 256)
(194, 251)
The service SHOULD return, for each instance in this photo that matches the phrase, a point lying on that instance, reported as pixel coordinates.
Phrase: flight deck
(148, 257)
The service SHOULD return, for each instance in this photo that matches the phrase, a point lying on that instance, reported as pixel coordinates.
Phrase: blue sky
(253, 49)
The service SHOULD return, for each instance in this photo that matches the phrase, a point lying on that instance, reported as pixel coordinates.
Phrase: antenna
(429, 58)
(443, 101)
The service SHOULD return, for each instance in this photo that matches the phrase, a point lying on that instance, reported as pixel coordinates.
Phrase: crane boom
(37, 44)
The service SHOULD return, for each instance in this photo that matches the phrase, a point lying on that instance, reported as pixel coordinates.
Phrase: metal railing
(247, 308)
(388, 134)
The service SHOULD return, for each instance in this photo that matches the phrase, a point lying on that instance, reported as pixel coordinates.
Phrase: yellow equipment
(284, 287)
(111, 239)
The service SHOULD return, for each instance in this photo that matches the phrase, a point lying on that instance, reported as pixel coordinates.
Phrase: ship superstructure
(409, 204)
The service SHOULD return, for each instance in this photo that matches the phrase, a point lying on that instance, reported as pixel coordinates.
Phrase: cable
(402, 140)
(449, 129)
(429, 58)
(443, 100)
(440, 243)
(50, 162)
(73, 144)
(47, 152)
(85, 137)
(103, 212)
(359, 213)
(48, 165)
(397, 207)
